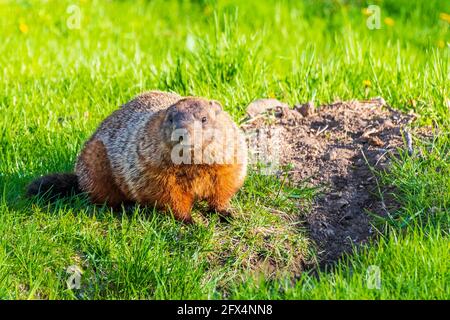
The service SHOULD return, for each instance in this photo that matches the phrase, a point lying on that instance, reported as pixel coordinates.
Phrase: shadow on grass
(13, 188)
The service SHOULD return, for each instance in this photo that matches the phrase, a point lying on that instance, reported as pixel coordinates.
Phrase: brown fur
(95, 175)
(128, 158)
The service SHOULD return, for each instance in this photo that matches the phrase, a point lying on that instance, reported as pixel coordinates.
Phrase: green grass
(58, 83)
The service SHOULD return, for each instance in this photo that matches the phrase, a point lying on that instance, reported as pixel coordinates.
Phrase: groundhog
(161, 150)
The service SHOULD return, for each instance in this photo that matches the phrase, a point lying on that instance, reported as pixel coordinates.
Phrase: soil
(335, 147)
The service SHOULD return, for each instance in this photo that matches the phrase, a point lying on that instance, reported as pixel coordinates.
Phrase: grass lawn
(66, 65)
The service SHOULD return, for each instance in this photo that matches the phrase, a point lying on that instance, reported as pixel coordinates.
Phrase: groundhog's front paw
(187, 220)
(184, 219)
(225, 215)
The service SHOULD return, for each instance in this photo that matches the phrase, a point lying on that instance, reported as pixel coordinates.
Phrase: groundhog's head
(192, 125)
(188, 118)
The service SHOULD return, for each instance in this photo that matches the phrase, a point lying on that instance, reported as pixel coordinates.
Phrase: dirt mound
(332, 147)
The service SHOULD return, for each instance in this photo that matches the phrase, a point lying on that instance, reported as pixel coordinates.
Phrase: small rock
(262, 105)
(306, 109)
(388, 124)
(282, 111)
(376, 141)
(335, 195)
(341, 203)
(380, 101)
(328, 156)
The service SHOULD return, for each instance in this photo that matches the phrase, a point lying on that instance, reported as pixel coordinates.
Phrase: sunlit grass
(58, 83)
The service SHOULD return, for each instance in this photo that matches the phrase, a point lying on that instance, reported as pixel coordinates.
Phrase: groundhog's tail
(55, 185)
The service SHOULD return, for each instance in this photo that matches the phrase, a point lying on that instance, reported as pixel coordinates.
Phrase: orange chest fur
(197, 180)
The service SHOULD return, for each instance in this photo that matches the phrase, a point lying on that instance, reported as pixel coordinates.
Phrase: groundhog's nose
(182, 130)
(185, 128)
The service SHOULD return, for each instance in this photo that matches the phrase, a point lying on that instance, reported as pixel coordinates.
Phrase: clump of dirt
(334, 147)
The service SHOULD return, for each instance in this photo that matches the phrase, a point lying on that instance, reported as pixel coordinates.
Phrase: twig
(281, 186)
(409, 143)
(321, 130)
(369, 132)
(381, 157)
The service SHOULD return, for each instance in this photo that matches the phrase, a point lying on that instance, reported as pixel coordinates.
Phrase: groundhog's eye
(204, 119)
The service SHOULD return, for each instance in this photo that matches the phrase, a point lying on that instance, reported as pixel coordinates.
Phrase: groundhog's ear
(215, 105)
